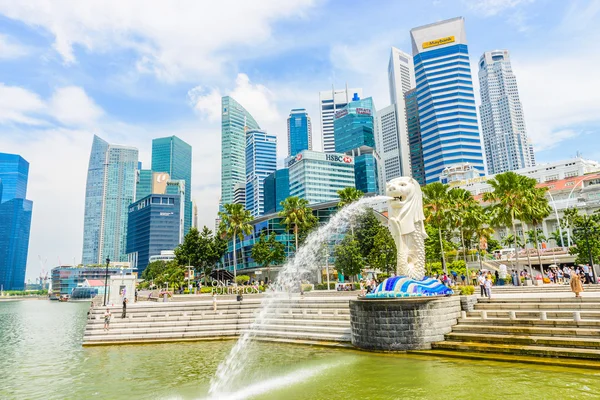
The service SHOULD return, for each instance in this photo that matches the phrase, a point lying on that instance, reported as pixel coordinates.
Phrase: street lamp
(106, 279)
(557, 220)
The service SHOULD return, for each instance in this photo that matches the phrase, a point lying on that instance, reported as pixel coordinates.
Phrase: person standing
(124, 313)
(107, 316)
(481, 281)
(488, 287)
(214, 299)
(586, 273)
(576, 286)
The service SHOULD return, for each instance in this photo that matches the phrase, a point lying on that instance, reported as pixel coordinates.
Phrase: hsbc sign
(337, 158)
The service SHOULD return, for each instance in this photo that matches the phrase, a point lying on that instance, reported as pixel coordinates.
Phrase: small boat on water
(63, 297)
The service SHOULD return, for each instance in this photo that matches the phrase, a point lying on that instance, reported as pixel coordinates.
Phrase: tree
(297, 215)
(154, 269)
(190, 251)
(509, 198)
(566, 222)
(509, 241)
(463, 207)
(586, 229)
(558, 240)
(367, 228)
(536, 210)
(348, 259)
(348, 196)
(268, 251)
(235, 222)
(436, 206)
(477, 225)
(383, 254)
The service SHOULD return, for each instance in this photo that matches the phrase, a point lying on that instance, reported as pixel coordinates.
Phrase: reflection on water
(41, 358)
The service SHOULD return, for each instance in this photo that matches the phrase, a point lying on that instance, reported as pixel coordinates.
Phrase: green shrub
(383, 276)
(307, 287)
(323, 286)
(206, 289)
(507, 280)
(241, 279)
(467, 290)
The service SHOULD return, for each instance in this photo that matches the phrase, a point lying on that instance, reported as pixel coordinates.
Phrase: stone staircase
(324, 321)
(563, 327)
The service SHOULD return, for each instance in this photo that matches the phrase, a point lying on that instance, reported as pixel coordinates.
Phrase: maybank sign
(438, 42)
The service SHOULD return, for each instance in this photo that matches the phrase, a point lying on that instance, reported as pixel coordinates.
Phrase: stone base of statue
(401, 324)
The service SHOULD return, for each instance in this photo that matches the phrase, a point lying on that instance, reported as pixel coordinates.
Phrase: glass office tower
(446, 104)
(277, 189)
(261, 160)
(110, 189)
(299, 129)
(417, 166)
(235, 122)
(174, 156)
(354, 136)
(15, 221)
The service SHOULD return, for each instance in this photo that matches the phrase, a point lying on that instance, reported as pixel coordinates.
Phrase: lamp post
(106, 280)
(566, 207)
(557, 220)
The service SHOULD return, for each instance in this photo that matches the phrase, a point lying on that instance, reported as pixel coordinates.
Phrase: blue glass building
(299, 128)
(154, 224)
(277, 189)
(261, 160)
(174, 156)
(143, 185)
(446, 104)
(354, 135)
(110, 189)
(15, 221)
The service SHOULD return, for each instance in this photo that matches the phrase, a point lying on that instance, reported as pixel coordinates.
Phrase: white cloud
(255, 97)
(490, 8)
(72, 106)
(173, 39)
(18, 104)
(10, 49)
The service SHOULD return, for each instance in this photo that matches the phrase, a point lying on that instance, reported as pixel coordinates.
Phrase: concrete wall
(402, 324)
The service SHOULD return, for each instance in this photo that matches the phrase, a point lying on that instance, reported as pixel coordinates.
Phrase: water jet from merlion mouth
(302, 265)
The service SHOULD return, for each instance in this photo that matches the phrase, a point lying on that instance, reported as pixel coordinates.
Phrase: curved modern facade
(235, 122)
(446, 104)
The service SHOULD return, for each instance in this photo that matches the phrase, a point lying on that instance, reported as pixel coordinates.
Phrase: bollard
(319, 312)
(303, 312)
(577, 316)
(463, 314)
(512, 315)
(335, 312)
(483, 314)
(543, 316)
(185, 314)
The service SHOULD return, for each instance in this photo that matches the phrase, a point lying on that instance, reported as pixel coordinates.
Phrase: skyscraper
(235, 121)
(277, 189)
(174, 156)
(110, 189)
(446, 104)
(414, 136)
(502, 123)
(401, 78)
(387, 142)
(330, 101)
(261, 160)
(143, 186)
(354, 136)
(15, 221)
(299, 128)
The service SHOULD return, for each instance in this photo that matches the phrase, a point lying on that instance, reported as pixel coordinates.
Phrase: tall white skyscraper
(393, 138)
(329, 102)
(502, 123)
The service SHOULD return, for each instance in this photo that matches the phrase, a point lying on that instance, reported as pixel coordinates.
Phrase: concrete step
(565, 323)
(527, 330)
(535, 314)
(324, 321)
(511, 358)
(549, 341)
(161, 336)
(523, 300)
(230, 310)
(304, 335)
(540, 351)
(539, 306)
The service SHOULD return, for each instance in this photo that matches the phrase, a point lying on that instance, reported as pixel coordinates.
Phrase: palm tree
(537, 209)
(462, 204)
(347, 196)
(297, 214)
(509, 241)
(235, 221)
(560, 241)
(436, 206)
(509, 200)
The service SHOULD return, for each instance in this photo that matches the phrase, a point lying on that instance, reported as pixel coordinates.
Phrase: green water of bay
(41, 358)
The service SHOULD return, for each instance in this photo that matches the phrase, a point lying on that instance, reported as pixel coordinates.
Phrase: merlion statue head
(406, 203)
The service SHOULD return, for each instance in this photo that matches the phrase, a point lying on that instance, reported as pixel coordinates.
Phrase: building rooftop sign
(438, 42)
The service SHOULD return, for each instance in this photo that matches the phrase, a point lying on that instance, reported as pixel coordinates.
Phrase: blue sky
(132, 71)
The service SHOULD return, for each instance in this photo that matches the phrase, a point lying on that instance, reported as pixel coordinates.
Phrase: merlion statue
(405, 221)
